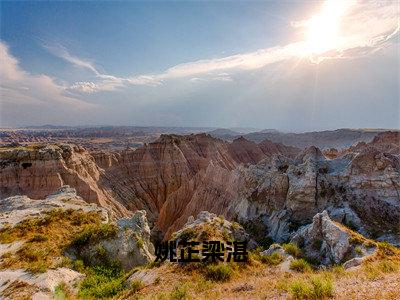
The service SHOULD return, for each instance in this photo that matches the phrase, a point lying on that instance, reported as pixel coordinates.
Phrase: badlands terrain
(81, 210)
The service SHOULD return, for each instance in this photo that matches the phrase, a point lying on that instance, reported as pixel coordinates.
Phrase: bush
(219, 272)
(300, 289)
(389, 266)
(93, 233)
(61, 292)
(300, 265)
(39, 238)
(375, 270)
(292, 249)
(139, 241)
(136, 285)
(317, 287)
(102, 282)
(358, 250)
(273, 259)
(180, 292)
(322, 286)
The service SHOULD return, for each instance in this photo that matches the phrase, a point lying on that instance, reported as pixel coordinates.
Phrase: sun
(322, 30)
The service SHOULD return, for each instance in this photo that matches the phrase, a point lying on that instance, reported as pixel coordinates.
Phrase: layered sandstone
(178, 176)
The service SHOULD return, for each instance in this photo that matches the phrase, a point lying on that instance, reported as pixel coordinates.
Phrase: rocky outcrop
(130, 245)
(18, 208)
(360, 190)
(37, 171)
(208, 226)
(19, 284)
(325, 241)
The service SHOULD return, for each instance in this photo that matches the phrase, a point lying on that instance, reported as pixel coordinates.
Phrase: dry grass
(45, 238)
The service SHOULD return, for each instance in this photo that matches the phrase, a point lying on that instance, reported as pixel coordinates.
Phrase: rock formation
(39, 171)
(18, 208)
(208, 226)
(267, 184)
(130, 245)
(325, 241)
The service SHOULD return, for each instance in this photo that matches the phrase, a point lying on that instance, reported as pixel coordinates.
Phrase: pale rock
(131, 245)
(147, 277)
(333, 240)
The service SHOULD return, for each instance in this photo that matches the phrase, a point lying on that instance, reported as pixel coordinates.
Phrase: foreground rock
(128, 244)
(96, 238)
(328, 243)
(18, 208)
(18, 284)
(208, 226)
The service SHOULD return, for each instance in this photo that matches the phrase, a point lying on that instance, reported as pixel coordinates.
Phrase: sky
(288, 65)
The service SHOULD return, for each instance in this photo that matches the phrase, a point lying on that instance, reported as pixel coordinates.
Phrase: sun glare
(323, 29)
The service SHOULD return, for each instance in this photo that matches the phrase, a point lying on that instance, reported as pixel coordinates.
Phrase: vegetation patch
(94, 233)
(292, 249)
(102, 281)
(219, 272)
(46, 238)
(300, 265)
(377, 269)
(318, 286)
(273, 259)
(180, 292)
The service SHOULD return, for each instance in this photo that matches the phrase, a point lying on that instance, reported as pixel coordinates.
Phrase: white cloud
(19, 88)
(61, 52)
(365, 27)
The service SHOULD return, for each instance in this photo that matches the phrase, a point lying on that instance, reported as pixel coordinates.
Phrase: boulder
(18, 208)
(21, 284)
(324, 240)
(130, 245)
(274, 248)
(208, 226)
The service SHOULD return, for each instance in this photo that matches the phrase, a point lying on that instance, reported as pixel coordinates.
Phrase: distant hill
(225, 134)
(339, 138)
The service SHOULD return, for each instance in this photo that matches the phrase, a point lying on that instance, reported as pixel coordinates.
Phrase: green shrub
(136, 285)
(358, 250)
(273, 259)
(39, 238)
(219, 272)
(78, 265)
(322, 286)
(300, 265)
(102, 282)
(180, 292)
(317, 287)
(300, 289)
(139, 241)
(61, 292)
(292, 249)
(388, 266)
(93, 233)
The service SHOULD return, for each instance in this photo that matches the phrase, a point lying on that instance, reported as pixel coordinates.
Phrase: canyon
(268, 187)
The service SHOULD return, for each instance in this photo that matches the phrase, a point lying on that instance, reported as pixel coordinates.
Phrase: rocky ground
(63, 248)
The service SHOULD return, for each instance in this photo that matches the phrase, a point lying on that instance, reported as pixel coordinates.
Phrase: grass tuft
(292, 249)
(273, 259)
(219, 272)
(300, 265)
(316, 287)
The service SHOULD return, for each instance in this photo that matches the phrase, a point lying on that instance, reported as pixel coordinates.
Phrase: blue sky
(267, 64)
